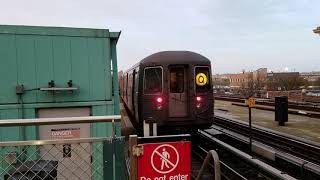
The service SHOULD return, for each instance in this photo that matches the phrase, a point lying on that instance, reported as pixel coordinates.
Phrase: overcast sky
(233, 34)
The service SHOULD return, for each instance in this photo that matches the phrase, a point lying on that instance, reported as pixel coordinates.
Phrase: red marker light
(198, 98)
(159, 100)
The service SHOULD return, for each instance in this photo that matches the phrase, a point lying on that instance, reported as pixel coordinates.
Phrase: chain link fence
(72, 159)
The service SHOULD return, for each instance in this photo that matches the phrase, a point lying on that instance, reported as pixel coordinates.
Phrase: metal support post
(214, 155)
(133, 140)
(108, 161)
(149, 127)
(113, 129)
(250, 131)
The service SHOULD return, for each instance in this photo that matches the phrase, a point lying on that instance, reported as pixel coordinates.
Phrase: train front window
(177, 80)
(202, 79)
(152, 80)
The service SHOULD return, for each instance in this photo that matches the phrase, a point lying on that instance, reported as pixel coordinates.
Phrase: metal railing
(63, 120)
(78, 158)
(212, 154)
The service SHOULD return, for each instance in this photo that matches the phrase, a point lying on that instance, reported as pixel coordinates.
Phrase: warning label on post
(165, 161)
(65, 133)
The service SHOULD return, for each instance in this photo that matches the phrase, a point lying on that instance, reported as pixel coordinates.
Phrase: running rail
(256, 162)
(214, 155)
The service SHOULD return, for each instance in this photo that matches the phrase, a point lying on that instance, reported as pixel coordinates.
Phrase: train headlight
(159, 99)
(159, 102)
(198, 105)
(198, 101)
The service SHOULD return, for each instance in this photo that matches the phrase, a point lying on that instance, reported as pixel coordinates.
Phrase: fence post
(133, 140)
(108, 164)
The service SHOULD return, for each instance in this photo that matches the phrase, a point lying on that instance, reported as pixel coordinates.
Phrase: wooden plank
(133, 140)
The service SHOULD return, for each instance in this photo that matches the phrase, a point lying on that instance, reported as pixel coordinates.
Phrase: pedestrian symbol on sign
(168, 156)
(164, 158)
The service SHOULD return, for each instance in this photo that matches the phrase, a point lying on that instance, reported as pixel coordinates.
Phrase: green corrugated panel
(44, 67)
(35, 59)
(96, 59)
(26, 63)
(102, 129)
(10, 133)
(8, 69)
(62, 66)
(33, 56)
(115, 77)
(80, 68)
(107, 69)
(53, 31)
(31, 133)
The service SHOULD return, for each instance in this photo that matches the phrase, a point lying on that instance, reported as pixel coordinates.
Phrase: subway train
(172, 89)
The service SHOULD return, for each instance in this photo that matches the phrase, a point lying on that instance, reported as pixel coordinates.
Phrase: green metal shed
(57, 67)
(35, 56)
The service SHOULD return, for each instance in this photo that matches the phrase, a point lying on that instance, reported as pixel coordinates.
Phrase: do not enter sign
(165, 161)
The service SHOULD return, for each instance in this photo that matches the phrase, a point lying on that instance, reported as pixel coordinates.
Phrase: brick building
(312, 78)
(279, 81)
(243, 83)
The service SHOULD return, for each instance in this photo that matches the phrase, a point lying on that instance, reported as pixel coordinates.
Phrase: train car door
(136, 94)
(177, 92)
(71, 164)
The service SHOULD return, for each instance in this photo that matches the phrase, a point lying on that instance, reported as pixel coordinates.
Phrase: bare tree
(317, 82)
(286, 83)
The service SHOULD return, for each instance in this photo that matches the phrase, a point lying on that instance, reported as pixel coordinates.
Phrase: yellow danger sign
(252, 102)
(201, 79)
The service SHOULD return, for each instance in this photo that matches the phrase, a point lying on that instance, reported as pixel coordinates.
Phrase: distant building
(244, 79)
(277, 81)
(260, 75)
(311, 76)
(245, 83)
(220, 81)
(240, 80)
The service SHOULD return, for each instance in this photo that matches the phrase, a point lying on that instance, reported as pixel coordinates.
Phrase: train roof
(176, 57)
(172, 57)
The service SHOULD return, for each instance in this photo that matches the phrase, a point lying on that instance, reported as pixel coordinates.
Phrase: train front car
(176, 91)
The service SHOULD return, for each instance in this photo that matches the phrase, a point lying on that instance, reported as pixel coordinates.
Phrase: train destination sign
(165, 161)
(201, 79)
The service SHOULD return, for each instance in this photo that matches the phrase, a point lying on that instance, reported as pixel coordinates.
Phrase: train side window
(177, 80)
(203, 75)
(152, 80)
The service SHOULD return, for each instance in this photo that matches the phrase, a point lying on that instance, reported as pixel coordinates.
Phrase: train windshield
(177, 80)
(202, 79)
(152, 80)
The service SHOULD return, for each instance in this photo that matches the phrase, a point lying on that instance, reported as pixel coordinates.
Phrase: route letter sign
(165, 161)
